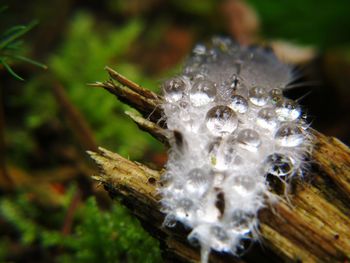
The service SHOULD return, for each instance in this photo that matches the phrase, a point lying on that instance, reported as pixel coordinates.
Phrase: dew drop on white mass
(267, 118)
(222, 155)
(199, 50)
(220, 240)
(184, 208)
(202, 92)
(174, 89)
(249, 139)
(258, 96)
(221, 120)
(243, 184)
(289, 135)
(278, 164)
(198, 181)
(287, 110)
(240, 222)
(239, 104)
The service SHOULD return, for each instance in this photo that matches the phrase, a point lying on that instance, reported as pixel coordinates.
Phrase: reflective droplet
(267, 118)
(222, 155)
(241, 222)
(199, 50)
(222, 43)
(198, 181)
(197, 77)
(220, 240)
(276, 92)
(170, 221)
(174, 89)
(287, 110)
(243, 185)
(212, 54)
(289, 135)
(202, 92)
(194, 238)
(249, 139)
(184, 208)
(278, 164)
(183, 112)
(258, 96)
(239, 104)
(276, 95)
(221, 120)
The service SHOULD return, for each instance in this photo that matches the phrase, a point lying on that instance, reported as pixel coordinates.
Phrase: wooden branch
(157, 132)
(132, 85)
(133, 96)
(313, 227)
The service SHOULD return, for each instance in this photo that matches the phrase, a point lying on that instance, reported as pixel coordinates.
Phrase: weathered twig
(157, 132)
(314, 227)
(133, 96)
(131, 85)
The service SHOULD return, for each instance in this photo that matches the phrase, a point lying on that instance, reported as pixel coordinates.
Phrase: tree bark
(312, 226)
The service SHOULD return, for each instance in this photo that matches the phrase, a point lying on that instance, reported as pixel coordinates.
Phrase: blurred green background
(50, 209)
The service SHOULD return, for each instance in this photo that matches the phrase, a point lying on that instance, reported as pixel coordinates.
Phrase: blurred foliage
(11, 44)
(315, 22)
(100, 236)
(79, 61)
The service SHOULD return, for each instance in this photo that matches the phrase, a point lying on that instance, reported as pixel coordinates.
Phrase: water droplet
(213, 54)
(258, 96)
(276, 92)
(197, 77)
(220, 240)
(276, 95)
(174, 89)
(175, 189)
(289, 135)
(221, 120)
(184, 208)
(243, 185)
(241, 222)
(222, 43)
(278, 164)
(249, 139)
(170, 221)
(194, 238)
(199, 50)
(184, 112)
(267, 118)
(222, 155)
(287, 110)
(198, 181)
(239, 104)
(202, 93)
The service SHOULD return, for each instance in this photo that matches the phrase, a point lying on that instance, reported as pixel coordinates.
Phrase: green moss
(99, 236)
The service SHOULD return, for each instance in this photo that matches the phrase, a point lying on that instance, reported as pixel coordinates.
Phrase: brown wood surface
(313, 226)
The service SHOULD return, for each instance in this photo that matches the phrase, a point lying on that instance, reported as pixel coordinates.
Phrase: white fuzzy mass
(232, 127)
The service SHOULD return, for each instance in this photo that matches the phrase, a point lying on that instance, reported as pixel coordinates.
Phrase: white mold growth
(232, 127)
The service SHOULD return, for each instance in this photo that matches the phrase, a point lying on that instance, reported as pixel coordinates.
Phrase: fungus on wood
(312, 226)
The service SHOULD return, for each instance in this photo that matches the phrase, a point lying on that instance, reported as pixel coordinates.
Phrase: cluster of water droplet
(233, 127)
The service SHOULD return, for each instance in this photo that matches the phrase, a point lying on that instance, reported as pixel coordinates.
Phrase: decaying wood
(314, 226)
